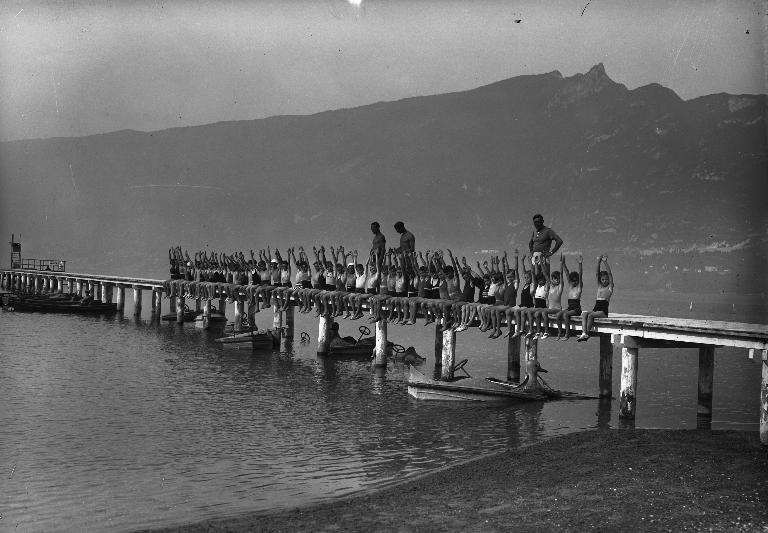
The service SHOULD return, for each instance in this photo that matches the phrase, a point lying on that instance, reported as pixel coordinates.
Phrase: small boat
(189, 315)
(254, 340)
(216, 318)
(45, 305)
(467, 388)
(362, 347)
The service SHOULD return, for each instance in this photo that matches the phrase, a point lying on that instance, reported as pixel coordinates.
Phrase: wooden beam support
(438, 344)
(531, 364)
(606, 366)
(706, 380)
(180, 310)
(513, 359)
(120, 298)
(136, 299)
(324, 335)
(448, 354)
(628, 399)
(380, 352)
(238, 324)
(764, 400)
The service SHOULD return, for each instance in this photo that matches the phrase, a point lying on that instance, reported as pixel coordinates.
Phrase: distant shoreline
(598, 479)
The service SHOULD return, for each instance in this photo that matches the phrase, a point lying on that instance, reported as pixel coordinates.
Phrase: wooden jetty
(625, 332)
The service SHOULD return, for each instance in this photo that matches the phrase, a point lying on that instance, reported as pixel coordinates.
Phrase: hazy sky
(71, 68)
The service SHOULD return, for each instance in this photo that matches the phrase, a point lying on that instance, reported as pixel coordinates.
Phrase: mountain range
(654, 181)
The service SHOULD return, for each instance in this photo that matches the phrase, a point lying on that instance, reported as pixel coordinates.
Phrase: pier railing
(625, 332)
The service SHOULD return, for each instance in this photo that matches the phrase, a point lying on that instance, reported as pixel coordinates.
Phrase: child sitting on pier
(575, 286)
(604, 293)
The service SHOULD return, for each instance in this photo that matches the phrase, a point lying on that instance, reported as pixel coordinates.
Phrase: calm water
(114, 424)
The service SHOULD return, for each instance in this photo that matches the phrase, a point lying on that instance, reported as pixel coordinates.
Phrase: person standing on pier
(407, 240)
(379, 246)
(540, 244)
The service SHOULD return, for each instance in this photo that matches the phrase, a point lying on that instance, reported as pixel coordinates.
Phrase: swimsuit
(601, 305)
(574, 304)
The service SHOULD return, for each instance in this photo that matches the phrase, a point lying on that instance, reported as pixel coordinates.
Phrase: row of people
(412, 283)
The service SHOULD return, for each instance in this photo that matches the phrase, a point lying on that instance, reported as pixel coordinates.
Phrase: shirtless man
(407, 240)
(541, 242)
(379, 246)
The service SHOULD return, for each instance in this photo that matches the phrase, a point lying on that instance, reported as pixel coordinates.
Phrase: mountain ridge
(608, 166)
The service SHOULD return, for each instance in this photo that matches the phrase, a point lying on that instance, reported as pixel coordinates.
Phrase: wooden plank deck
(658, 328)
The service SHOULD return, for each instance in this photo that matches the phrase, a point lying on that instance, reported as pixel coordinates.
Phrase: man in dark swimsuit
(541, 242)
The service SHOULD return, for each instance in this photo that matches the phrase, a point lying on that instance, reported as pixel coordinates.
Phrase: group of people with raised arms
(400, 284)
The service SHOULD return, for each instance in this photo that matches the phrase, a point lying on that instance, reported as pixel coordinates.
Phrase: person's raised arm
(566, 273)
(608, 269)
(293, 255)
(334, 255)
(597, 270)
(517, 268)
(322, 253)
(581, 276)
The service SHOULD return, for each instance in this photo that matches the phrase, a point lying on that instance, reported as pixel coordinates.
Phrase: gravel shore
(607, 480)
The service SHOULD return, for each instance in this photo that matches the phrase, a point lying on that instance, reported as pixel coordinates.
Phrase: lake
(121, 423)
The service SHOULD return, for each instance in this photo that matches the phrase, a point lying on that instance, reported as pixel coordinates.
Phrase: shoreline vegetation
(607, 480)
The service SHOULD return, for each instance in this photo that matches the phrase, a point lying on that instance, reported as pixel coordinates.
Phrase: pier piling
(323, 335)
(136, 300)
(380, 352)
(206, 314)
(438, 344)
(448, 354)
(627, 402)
(513, 359)
(238, 324)
(764, 400)
(706, 379)
(120, 298)
(180, 310)
(606, 366)
(531, 364)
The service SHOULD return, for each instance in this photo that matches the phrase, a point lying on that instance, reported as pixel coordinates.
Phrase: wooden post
(172, 305)
(206, 314)
(438, 344)
(223, 306)
(380, 351)
(136, 301)
(79, 288)
(448, 354)
(106, 293)
(706, 380)
(46, 284)
(531, 364)
(286, 337)
(238, 324)
(764, 401)
(277, 319)
(120, 298)
(61, 285)
(323, 335)
(628, 400)
(157, 300)
(38, 283)
(180, 310)
(606, 366)
(513, 359)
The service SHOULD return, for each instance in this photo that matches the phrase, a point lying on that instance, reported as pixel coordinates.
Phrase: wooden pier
(625, 332)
